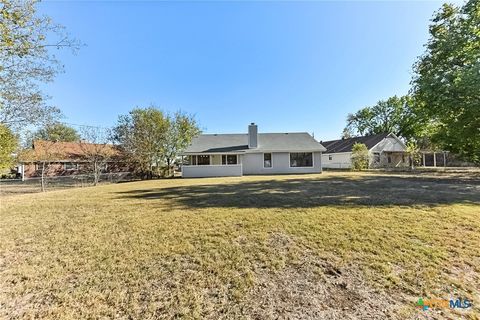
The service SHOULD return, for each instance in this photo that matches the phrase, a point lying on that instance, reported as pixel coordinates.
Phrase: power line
(83, 125)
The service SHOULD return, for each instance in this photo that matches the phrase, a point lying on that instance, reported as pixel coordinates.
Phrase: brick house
(69, 158)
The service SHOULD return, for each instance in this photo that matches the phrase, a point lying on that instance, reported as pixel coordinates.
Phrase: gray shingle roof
(238, 143)
(345, 145)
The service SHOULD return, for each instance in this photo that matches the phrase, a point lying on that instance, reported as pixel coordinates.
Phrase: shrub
(413, 154)
(360, 158)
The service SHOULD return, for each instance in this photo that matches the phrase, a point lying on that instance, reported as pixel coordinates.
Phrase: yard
(330, 246)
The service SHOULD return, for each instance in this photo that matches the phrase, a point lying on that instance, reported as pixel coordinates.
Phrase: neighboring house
(385, 150)
(214, 155)
(68, 158)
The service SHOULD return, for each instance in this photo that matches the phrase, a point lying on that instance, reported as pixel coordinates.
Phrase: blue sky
(288, 66)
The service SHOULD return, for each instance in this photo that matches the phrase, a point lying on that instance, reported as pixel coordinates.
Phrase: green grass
(335, 245)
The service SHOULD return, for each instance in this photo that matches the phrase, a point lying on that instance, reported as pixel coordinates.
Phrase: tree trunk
(95, 173)
(42, 179)
(168, 167)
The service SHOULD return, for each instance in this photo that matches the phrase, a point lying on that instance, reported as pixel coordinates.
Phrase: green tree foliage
(413, 152)
(447, 79)
(57, 132)
(141, 134)
(8, 145)
(360, 157)
(152, 138)
(347, 133)
(395, 115)
(182, 128)
(26, 60)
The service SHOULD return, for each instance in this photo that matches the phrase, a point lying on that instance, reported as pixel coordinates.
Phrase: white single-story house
(385, 150)
(219, 155)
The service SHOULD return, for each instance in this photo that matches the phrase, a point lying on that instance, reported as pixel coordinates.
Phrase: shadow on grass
(304, 193)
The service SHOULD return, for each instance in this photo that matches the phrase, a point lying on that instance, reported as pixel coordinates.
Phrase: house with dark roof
(385, 150)
(216, 155)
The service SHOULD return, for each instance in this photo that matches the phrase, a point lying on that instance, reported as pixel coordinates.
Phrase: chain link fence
(32, 185)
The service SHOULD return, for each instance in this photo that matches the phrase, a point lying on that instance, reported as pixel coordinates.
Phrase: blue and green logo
(421, 304)
(459, 303)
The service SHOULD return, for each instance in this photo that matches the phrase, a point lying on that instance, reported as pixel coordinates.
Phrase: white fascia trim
(211, 165)
(209, 153)
(283, 151)
(327, 154)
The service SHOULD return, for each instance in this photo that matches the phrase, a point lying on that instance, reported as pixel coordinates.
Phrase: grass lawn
(329, 246)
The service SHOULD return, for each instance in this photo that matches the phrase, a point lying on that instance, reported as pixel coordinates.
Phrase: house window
(301, 159)
(267, 160)
(39, 166)
(203, 160)
(232, 159)
(376, 157)
(70, 166)
(194, 160)
(229, 159)
(330, 157)
(389, 159)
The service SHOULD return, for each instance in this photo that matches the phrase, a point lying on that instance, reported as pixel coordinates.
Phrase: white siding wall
(253, 164)
(339, 160)
(212, 171)
(389, 144)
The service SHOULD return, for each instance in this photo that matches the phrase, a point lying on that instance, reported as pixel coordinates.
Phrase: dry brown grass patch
(337, 245)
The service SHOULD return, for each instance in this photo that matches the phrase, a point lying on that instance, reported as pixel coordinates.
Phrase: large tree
(395, 115)
(141, 134)
(152, 138)
(447, 79)
(182, 128)
(8, 145)
(26, 60)
(57, 132)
